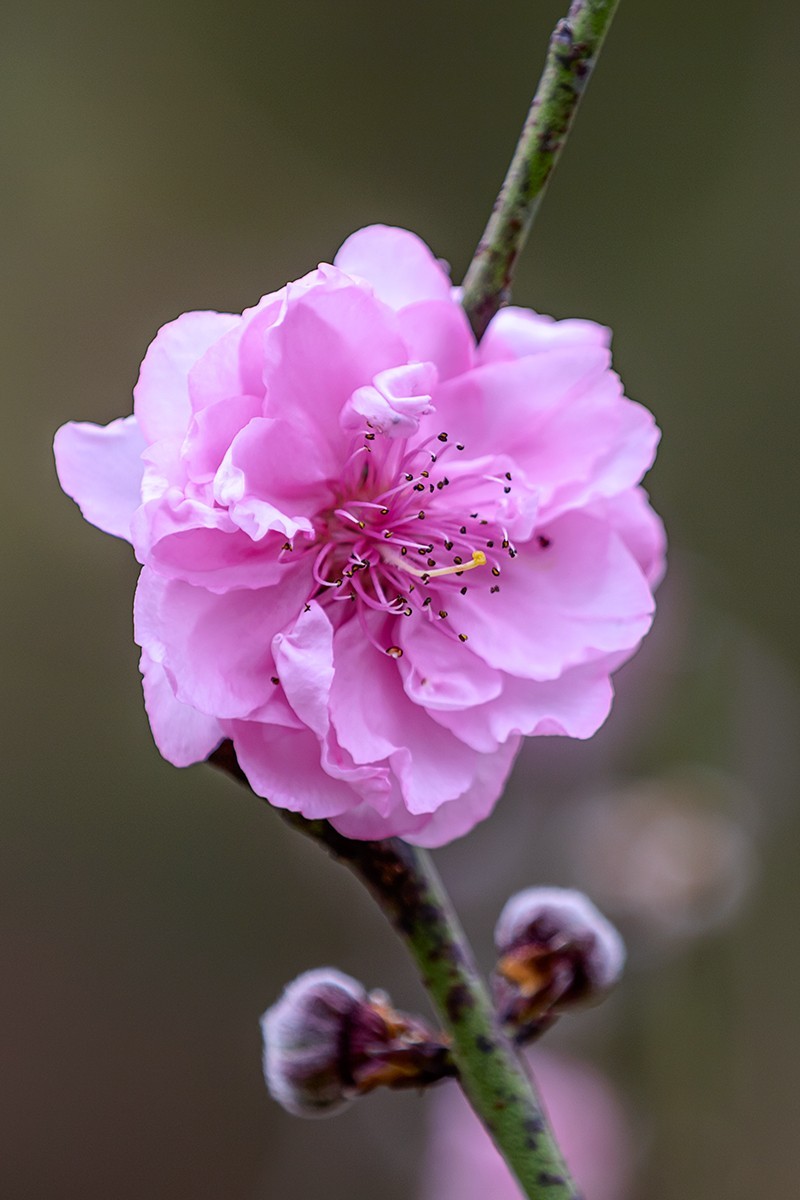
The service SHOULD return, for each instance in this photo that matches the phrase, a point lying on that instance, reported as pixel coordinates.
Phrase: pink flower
(374, 554)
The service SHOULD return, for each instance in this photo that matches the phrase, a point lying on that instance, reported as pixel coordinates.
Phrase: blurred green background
(163, 156)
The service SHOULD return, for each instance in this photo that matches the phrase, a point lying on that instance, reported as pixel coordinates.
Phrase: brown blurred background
(160, 156)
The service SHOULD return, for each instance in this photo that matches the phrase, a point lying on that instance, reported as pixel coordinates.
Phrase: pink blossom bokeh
(588, 1119)
(376, 554)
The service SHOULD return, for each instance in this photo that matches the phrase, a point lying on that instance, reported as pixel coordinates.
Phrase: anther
(395, 652)
(462, 637)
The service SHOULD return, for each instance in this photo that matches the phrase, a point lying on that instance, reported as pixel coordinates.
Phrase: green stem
(408, 889)
(574, 47)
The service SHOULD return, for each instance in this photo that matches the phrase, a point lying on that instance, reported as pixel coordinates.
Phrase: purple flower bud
(556, 951)
(327, 1040)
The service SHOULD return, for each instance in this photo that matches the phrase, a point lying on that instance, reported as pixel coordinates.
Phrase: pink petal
(216, 649)
(283, 765)
(563, 417)
(233, 365)
(329, 341)
(183, 735)
(458, 817)
(364, 822)
(211, 431)
(191, 541)
(578, 598)
(304, 662)
(394, 402)
(397, 263)
(440, 672)
(374, 719)
(641, 530)
(273, 478)
(100, 467)
(161, 395)
(574, 705)
(437, 331)
(518, 332)
(362, 678)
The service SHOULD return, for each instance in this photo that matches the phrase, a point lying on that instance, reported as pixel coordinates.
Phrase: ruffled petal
(183, 735)
(440, 672)
(273, 478)
(574, 705)
(572, 597)
(100, 467)
(329, 340)
(641, 529)
(518, 332)
(374, 719)
(191, 541)
(397, 263)
(283, 766)
(457, 817)
(394, 403)
(304, 662)
(438, 331)
(161, 395)
(211, 431)
(564, 418)
(216, 648)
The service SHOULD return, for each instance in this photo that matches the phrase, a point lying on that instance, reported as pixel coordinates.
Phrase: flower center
(402, 534)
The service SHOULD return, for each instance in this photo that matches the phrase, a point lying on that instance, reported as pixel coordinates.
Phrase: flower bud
(327, 1041)
(556, 952)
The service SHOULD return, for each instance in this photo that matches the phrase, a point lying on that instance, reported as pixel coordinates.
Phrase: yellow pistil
(478, 560)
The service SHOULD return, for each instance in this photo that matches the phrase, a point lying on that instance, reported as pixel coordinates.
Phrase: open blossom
(375, 554)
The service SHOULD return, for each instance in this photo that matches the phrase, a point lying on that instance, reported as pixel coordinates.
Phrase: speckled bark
(573, 50)
(404, 882)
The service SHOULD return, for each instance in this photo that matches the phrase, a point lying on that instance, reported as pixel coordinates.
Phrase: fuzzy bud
(327, 1040)
(556, 952)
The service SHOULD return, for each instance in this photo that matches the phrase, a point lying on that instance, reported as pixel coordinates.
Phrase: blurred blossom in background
(589, 1120)
(161, 157)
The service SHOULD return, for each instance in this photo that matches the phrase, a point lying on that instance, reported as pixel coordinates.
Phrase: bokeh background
(160, 156)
